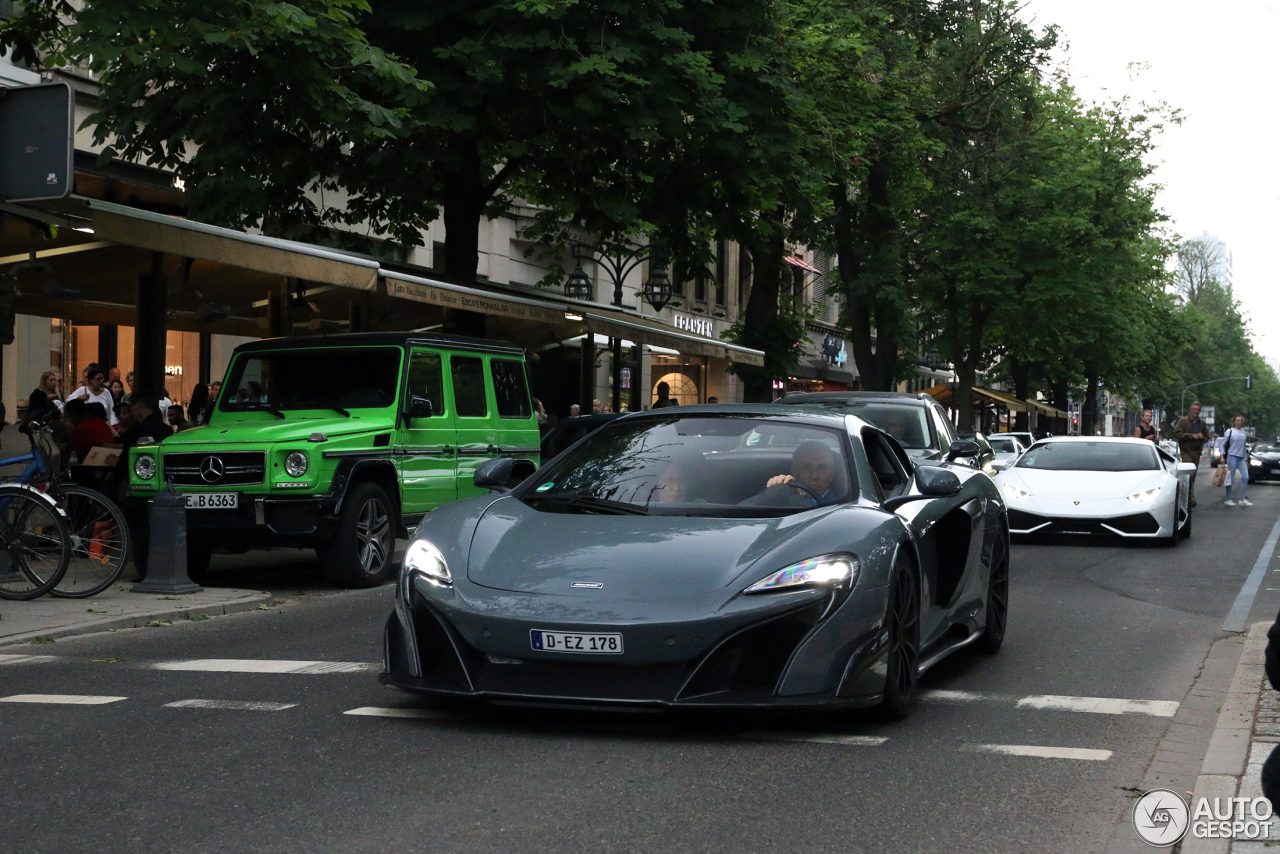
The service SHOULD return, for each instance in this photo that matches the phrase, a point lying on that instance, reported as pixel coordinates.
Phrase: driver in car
(813, 468)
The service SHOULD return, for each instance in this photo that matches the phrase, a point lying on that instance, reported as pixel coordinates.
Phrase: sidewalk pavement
(1247, 730)
(116, 608)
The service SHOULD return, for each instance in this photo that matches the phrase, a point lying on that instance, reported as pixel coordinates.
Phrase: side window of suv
(426, 379)
(943, 426)
(468, 386)
(509, 388)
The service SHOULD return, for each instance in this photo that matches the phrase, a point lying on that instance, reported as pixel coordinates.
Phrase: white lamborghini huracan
(1110, 486)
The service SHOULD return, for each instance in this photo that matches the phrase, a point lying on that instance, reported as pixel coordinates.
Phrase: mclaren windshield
(723, 466)
(336, 379)
(1091, 456)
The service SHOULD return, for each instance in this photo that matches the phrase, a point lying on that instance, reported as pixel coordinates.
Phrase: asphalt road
(1089, 620)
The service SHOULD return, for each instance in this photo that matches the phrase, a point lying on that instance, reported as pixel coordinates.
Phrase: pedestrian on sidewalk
(1190, 431)
(1144, 430)
(1235, 450)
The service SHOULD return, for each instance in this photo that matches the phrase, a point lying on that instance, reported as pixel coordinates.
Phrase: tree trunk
(464, 201)
(761, 313)
(1021, 384)
(1061, 400)
(1089, 407)
(867, 248)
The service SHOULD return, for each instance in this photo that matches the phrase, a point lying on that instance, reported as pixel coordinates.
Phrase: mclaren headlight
(838, 570)
(425, 559)
(1144, 496)
(296, 464)
(144, 467)
(1015, 492)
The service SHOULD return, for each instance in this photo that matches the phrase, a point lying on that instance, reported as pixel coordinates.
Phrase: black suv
(917, 421)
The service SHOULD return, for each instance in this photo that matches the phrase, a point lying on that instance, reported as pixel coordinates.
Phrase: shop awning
(597, 319)
(190, 239)
(801, 263)
(944, 395)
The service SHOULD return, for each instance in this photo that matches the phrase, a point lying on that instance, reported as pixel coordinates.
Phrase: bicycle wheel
(99, 542)
(35, 544)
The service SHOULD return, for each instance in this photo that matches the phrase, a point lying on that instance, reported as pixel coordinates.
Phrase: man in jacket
(1191, 432)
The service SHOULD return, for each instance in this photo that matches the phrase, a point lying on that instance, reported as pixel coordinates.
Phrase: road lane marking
(62, 699)
(26, 659)
(376, 712)
(1239, 613)
(240, 705)
(945, 696)
(817, 737)
(1044, 752)
(1100, 705)
(254, 665)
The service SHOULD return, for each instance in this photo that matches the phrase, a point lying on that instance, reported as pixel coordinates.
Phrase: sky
(1217, 63)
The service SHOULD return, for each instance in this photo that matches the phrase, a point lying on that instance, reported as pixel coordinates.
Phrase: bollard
(167, 549)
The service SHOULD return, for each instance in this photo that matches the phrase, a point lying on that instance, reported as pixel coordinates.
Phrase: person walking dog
(1235, 449)
(1190, 431)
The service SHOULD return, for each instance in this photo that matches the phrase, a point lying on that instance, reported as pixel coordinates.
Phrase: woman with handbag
(1235, 450)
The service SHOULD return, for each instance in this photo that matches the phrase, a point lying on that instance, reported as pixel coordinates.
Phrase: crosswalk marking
(1100, 705)
(26, 659)
(240, 705)
(254, 665)
(818, 738)
(945, 696)
(62, 699)
(376, 712)
(1044, 752)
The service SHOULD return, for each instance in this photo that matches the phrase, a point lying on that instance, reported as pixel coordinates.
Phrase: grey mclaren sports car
(708, 556)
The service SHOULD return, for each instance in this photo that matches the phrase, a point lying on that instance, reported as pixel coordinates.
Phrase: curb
(250, 602)
(1227, 758)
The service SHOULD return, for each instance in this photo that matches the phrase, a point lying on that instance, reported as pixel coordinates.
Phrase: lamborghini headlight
(838, 570)
(425, 559)
(1012, 491)
(1144, 496)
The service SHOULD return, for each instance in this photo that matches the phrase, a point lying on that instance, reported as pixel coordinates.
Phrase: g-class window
(509, 388)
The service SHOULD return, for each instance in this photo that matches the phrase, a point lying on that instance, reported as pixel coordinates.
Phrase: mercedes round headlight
(1144, 496)
(838, 570)
(425, 559)
(296, 464)
(1014, 492)
(144, 467)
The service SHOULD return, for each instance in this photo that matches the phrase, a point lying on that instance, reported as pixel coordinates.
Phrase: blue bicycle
(97, 535)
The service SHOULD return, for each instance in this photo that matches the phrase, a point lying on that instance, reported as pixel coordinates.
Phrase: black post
(167, 547)
(108, 346)
(616, 402)
(206, 357)
(275, 324)
(149, 335)
(637, 355)
(587, 382)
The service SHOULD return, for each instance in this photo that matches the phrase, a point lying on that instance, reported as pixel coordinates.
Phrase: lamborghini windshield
(1090, 456)
(698, 466)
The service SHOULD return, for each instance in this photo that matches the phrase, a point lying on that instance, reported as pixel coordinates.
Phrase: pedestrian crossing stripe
(377, 712)
(62, 699)
(818, 738)
(238, 705)
(1100, 705)
(1044, 752)
(267, 665)
(26, 659)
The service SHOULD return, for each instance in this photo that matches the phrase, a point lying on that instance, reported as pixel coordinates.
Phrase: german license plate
(213, 500)
(607, 644)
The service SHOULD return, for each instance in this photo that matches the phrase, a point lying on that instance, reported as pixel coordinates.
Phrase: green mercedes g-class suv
(343, 443)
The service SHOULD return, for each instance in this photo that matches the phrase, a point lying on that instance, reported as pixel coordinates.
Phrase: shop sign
(472, 301)
(696, 325)
(173, 370)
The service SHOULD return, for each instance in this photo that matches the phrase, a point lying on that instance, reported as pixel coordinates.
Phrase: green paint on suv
(343, 442)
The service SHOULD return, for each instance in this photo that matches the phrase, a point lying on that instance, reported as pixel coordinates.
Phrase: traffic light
(1248, 382)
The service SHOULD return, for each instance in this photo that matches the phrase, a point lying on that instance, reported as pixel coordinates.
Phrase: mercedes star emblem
(212, 469)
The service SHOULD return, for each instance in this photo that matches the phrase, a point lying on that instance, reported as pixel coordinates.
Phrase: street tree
(1202, 261)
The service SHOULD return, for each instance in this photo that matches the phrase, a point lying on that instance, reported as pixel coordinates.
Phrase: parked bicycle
(97, 535)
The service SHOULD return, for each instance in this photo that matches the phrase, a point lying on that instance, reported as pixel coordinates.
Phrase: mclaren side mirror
(494, 474)
(963, 448)
(420, 407)
(936, 482)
